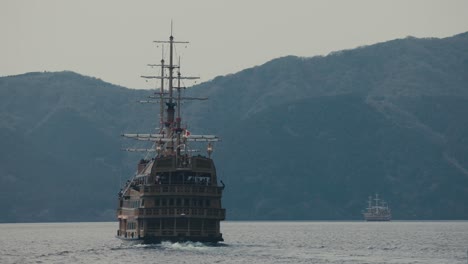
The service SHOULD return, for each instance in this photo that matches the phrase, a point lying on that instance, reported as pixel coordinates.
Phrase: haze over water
(245, 242)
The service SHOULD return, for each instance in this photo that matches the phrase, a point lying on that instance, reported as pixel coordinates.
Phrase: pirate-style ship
(174, 194)
(378, 211)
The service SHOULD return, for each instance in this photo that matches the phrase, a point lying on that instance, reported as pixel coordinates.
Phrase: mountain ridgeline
(302, 138)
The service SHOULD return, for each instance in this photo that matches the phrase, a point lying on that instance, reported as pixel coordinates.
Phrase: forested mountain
(302, 138)
(60, 146)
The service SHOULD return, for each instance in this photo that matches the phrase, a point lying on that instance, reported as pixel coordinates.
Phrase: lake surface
(245, 242)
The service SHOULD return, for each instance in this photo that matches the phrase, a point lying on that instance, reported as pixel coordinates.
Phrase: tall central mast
(171, 66)
(172, 129)
(171, 140)
(170, 105)
(161, 99)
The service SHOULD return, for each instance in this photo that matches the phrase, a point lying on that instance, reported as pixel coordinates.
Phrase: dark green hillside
(325, 155)
(387, 118)
(302, 138)
(60, 146)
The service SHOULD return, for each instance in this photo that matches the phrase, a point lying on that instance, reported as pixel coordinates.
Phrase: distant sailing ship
(174, 194)
(378, 211)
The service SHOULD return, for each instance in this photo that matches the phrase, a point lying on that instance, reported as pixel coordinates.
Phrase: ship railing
(121, 212)
(183, 189)
(214, 213)
(185, 231)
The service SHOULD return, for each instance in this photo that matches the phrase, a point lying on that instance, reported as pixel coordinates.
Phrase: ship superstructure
(174, 194)
(377, 211)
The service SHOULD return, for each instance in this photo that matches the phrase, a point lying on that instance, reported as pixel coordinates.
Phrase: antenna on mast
(162, 52)
(171, 27)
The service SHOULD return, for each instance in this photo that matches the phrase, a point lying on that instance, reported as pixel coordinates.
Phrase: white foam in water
(185, 245)
(142, 246)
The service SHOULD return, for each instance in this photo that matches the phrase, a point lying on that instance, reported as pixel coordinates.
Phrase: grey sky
(112, 39)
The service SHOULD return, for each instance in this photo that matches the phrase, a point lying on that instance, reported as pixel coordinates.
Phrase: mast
(158, 145)
(169, 140)
(376, 199)
(178, 120)
(178, 96)
(369, 207)
(170, 104)
(161, 97)
(171, 66)
(377, 202)
(170, 110)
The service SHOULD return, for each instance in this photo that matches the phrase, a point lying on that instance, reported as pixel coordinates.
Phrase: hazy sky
(112, 39)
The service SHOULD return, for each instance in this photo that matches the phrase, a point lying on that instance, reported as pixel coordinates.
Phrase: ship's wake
(189, 246)
(167, 245)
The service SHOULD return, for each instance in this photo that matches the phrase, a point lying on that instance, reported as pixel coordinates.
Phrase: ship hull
(377, 218)
(172, 235)
(160, 239)
(172, 204)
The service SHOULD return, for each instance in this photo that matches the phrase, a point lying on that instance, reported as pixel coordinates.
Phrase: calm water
(246, 242)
